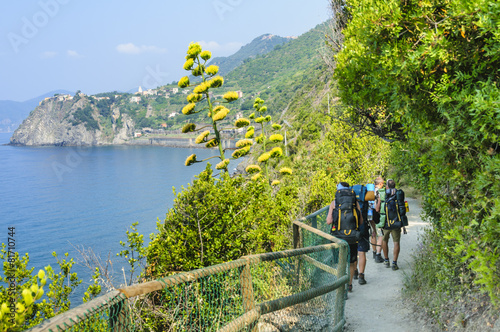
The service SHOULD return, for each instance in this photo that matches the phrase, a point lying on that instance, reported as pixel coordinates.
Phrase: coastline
(174, 142)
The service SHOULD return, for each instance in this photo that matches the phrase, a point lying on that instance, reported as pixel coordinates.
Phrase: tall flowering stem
(196, 63)
(267, 155)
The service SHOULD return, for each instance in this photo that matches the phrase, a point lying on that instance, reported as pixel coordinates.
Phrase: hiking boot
(362, 280)
(349, 288)
(356, 274)
(379, 259)
(386, 263)
(395, 266)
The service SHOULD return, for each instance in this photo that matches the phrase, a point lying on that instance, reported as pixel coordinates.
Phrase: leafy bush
(22, 305)
(430, 68)
(218, 220)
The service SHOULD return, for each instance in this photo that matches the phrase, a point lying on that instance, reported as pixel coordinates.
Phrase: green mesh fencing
(300, 289)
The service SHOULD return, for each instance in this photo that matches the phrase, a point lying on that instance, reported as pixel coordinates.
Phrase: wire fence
(302, 289)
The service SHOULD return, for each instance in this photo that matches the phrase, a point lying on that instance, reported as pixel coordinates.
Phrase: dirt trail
(378, 306)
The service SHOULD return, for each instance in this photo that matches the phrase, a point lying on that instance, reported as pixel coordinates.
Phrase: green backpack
(383, 216)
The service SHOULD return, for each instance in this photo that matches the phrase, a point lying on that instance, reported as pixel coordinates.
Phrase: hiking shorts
(353, 252)
(364, 244)
(396, 235)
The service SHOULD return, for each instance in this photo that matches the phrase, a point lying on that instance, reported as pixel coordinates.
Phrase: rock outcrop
(71, 122)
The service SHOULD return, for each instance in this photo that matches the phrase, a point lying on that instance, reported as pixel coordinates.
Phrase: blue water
(60, 197)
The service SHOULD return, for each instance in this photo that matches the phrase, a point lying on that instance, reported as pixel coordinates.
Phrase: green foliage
(343, 155)
(276, 76)
(432, 68)
(215, 221)
(265, 140)
(85, 116)
(24, 290)
(134, 252)
(260, 45)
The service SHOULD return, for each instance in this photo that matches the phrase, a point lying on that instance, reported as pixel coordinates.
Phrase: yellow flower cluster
(188, 109)
(220, 114)
(275, 182)
(206, 55)
(243, 142)
(256, 177)
(183, 82)
(188, 65)
(241, 152)
(230, 96)
(189, 127)
(216, 82)
(276, 126)
(212, 143)
(190, 160)
(253, 169)
(194, 49)
(194, 97)
(223, 164)
(203, 87)
(212, 70)
(286, 171)
(263, 109)
(241, 122)
(276, 138)
(250, 132)
(260, 119)
(201, 137)
(260, 139)
(276, 152)
(264, 157)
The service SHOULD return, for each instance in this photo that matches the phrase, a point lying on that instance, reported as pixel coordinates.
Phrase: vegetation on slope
(260, 45)
(430, 70)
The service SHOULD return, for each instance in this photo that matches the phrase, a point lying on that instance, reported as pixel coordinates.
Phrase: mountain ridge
(120, 118)
(258, 46)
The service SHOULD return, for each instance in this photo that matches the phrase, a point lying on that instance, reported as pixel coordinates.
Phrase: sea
(69, 199)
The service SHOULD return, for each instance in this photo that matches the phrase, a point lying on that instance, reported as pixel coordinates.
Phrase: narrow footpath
(378, 305)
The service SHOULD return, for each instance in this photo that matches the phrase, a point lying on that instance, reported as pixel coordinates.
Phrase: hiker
(396, 232)
(376, 237)
(348, 222)
(364, 242)
(363, 248)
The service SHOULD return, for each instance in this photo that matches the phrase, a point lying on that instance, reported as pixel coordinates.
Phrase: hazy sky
(101, 46)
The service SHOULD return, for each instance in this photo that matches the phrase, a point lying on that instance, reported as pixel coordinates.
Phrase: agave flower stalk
(263, 120)
(196, 60)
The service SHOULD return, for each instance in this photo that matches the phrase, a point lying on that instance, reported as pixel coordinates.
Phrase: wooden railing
(114, 309)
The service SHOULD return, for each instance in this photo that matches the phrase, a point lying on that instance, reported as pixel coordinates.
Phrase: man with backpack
(378, 238)
(345, 217)
(395, 220)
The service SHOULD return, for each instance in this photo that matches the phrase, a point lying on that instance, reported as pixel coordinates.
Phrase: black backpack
(345, 224)
(395, 209)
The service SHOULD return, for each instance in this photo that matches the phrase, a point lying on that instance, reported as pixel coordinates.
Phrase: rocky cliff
(67, 121)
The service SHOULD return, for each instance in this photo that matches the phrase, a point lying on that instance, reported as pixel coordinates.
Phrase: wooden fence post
(297, 244)
(340, 292)
(247, 290)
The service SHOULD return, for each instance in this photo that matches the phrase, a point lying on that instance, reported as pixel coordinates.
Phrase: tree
(430, 69)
